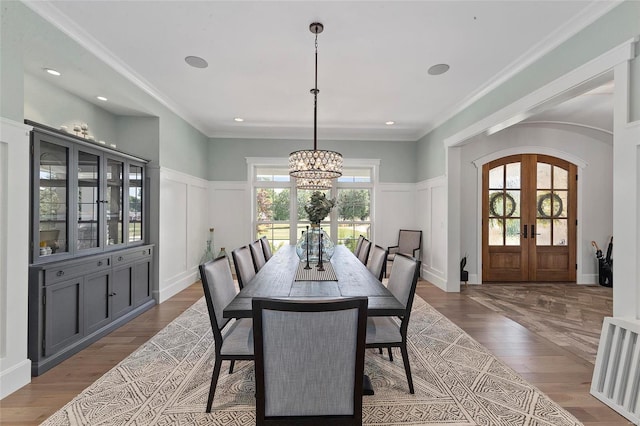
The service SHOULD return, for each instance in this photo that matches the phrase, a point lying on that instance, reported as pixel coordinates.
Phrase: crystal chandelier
(314, 169)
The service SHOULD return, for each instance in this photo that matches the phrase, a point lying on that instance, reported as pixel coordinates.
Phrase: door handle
(524, 231)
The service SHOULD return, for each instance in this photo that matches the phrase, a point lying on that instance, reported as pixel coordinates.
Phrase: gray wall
(227, 157)
(10, 66)
(619, 25)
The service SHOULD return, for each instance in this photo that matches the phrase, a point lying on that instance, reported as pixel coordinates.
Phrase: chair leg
(233, 362)
(214, 382)
(380, 349)
(390, 354)
(407, 368)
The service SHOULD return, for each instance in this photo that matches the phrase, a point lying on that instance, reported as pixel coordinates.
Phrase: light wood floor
(562, 375)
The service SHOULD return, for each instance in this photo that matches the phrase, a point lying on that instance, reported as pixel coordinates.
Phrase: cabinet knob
(120, 258)
(112, 294)
(60, 273)
(100, 263)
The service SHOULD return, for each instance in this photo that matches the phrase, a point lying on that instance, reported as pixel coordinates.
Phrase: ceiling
(373, 58)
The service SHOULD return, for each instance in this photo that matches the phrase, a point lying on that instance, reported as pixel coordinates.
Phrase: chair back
(358, 245)
(377, 262)
(266, 248)
(219, 290)
(243, 262)
(403, 280)
(309, 360)
(409, 241)
(363, 254)
(257, 254)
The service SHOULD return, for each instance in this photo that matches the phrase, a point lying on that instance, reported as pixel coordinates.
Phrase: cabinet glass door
(53, 199)
(115, 202)
(88, 200)
(135, 203)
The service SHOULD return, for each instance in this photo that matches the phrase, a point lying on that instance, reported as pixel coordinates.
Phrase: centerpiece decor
(314, 246)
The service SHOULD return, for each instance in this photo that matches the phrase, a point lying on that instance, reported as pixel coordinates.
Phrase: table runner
(314, 275)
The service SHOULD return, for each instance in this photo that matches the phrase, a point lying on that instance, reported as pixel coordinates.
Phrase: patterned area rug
(457, 382)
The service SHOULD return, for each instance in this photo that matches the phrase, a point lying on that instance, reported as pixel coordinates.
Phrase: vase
(309, 243)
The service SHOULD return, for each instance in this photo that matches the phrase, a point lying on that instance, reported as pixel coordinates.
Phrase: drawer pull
(120, 258)
(60, 273)
(112, 294)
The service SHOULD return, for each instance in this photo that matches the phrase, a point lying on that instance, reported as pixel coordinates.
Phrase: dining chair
(236, 342)
(409, 242)
(377, 262)
(384, 332)
(257, 253)
(358, 245)
(363, 254)
(309, 361)
(243, 262)
(266, 248)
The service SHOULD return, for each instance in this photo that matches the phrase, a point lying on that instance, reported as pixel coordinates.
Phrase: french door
(529, 219)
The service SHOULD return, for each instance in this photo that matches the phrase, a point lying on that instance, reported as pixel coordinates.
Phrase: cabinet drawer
(131, 255)
(54, 275)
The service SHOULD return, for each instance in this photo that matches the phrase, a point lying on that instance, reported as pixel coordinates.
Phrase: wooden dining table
(276, 279)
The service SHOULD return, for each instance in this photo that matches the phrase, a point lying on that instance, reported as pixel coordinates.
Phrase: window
(278, 207)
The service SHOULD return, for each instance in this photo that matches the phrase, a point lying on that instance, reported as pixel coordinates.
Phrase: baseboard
(434, 279)
(15, 377)
(179, 283)
(588, 279)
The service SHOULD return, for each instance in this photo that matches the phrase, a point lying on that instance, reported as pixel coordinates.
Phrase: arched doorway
(529, 219)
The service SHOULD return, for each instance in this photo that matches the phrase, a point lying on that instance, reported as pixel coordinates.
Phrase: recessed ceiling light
(438, 69)
(52, 71)
(238, 119)
(390, 123)
(102, 98)
(196, 62)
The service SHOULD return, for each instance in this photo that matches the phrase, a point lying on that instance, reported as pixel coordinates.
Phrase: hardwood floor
(563, 375)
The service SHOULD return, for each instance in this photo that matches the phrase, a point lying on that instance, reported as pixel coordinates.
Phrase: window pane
(560, 203)
(512, 232)
(543, 230)
(513, 175)
(543, 180)
(276, 233)
(348, 233)
(272, 204)
(355, 175)
(88, 198)
(551, 204)
(496, 203)
(560, 232)
(496, 177)
(354, 205)
(54, 185)
(114, 196)
(272, 174)
(512, 204)
(135, 203)
(560, 178)
(495, 232)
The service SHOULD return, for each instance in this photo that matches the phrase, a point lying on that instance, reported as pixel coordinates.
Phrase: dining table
(280, 278)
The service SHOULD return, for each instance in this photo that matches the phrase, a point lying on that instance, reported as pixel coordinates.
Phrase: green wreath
(545, 203)
(509, 204)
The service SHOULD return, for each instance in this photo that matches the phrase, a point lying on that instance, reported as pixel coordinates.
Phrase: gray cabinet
(73, 303)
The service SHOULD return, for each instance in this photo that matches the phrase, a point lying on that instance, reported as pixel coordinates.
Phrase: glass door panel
(88, 200)
(136, 180)
(53, 199)
(115, 202)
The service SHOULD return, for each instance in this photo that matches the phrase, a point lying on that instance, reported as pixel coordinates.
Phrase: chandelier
(314, 169)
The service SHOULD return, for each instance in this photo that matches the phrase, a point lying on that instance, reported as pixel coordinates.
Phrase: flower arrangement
(318, 207)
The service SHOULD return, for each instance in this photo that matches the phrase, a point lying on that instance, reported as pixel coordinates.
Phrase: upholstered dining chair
(236, 342)
(266, 248)
(243, 262)
(363, 254)
(409, 242)
(309, 361)
(377, 262)
(385, 332)
(358, 245)
(257, 253)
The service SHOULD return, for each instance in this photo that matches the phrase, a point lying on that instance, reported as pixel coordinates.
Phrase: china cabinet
(91, 266)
